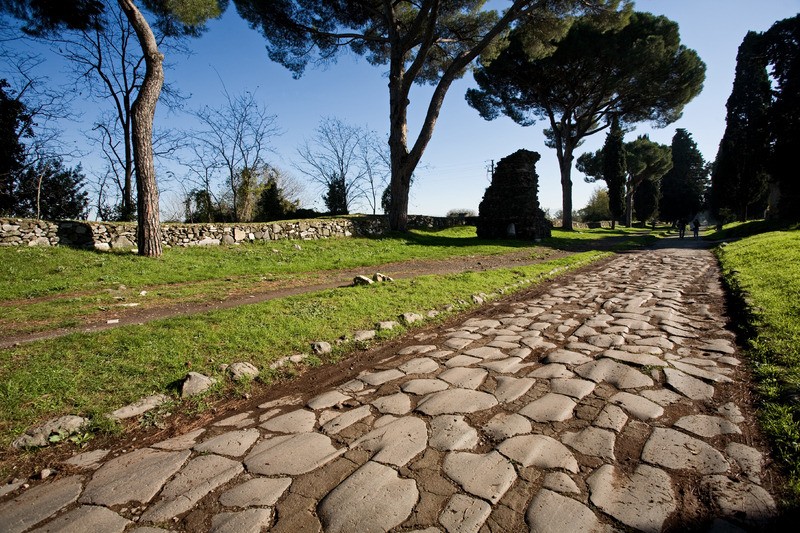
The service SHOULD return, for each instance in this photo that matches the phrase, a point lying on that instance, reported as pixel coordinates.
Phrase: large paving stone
(232, 444)
(718, 345)
(462, 360)
(617, 374)
(452, 432)
(741, 500)
(464, 378)
(673, 449)
(486, 476)
(640, 407)
(560, 482)
(643, 501)
(38, 503)
(540, 451)
(550, 512)
(346, 419)
(379, 378)
(247, 521)
(373, 499)
(202, 475)
(749, 460)
(690, 387)
(707, 426)
(551, 371)
(484, 352)
(457, 343)
(298, 421)
(574, 388)
(395, 443)
(291, 454)
(463, 515)
(509, 389)
(611, 417)
(659, 342)
(424, 386)
(692, 370)
(456, 401)
(327, 399)
(592, 441)
(138, 407)
(136, 476)
(662, 397)
(641, 359)
(549, 408)
(505, 425)
(511, 365)
(261, 492)
(394, 404)
(421, 365)
(566, 357)
(86, 518)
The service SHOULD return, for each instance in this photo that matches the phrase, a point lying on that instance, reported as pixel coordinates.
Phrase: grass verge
(763, 273)
(92, 374)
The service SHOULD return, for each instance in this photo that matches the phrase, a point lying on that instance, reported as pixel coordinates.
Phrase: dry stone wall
(119, 235)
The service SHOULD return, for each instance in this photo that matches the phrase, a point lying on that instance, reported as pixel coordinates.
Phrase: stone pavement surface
(603, 405)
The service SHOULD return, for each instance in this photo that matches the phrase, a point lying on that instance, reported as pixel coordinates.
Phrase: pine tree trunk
(565, 166)
(143, 112)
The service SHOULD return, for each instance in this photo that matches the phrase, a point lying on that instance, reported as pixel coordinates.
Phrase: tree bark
(143, 112)
(565, 166)
(629, 204)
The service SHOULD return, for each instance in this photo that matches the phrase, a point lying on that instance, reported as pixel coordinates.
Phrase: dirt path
(332, 279)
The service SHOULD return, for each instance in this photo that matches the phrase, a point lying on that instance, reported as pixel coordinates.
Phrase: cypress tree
(614, 170)
(740, 175)
(683, 187)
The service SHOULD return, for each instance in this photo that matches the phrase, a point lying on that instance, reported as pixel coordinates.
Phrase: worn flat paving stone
(550, 512)
(39, 503)
(86, 518)
(137, 476)
(600, 402)
(373, 499)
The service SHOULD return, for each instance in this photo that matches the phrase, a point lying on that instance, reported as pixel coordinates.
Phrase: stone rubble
(521, 420)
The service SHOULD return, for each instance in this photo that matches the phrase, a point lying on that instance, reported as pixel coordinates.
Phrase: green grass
(32, 272)
(738, 230)
(763, 271)
(91, 374)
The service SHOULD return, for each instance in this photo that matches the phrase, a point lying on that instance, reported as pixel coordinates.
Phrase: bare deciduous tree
(233, 143)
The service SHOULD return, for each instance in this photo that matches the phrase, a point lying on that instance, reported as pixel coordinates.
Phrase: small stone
(139, 407)
(410, 318)
(361, 280)
(195, 384)
(242, 371)
(387, 324)
(362, 335)
(320, 348)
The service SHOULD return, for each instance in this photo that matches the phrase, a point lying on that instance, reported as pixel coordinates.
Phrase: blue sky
(463, 144)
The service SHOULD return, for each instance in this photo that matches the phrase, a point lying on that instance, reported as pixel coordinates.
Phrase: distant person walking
(681, 228)
(696, 228)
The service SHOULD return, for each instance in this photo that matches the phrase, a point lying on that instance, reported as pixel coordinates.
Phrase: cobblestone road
(609, 403)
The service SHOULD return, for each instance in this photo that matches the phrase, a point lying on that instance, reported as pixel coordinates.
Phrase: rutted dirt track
(610, 399)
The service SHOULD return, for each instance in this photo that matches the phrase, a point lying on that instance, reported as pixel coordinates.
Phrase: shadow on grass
(576, 240)
(739, 230)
